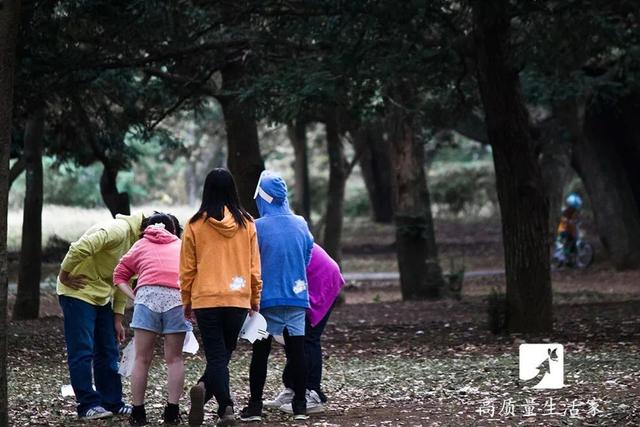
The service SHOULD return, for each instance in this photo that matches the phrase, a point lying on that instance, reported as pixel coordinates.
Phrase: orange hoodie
(220, 264)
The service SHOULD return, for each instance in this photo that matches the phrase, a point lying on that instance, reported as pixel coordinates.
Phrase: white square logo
(542, 365)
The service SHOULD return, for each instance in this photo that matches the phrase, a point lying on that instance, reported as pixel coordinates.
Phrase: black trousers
(313, 357)
(219, 328)
(294, 349)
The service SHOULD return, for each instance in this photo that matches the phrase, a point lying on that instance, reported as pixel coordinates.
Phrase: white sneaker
(314, 404)
(285, 396)
(96, 413)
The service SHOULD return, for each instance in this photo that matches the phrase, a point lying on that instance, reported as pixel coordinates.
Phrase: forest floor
(389, 362)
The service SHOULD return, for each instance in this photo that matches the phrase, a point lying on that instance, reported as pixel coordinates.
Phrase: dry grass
(69, 222)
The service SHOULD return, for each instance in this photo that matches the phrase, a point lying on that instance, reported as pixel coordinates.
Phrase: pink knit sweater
(155, 259)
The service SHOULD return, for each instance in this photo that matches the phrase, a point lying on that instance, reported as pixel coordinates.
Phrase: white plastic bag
(128, 358)
(190, 344)
(254, 328)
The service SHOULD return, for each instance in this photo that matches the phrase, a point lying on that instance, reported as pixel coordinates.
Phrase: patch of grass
(453, 386)
(69, 222)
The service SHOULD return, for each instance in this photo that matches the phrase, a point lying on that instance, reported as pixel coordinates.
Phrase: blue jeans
(169, 322)
(279, 318)
(91, 346)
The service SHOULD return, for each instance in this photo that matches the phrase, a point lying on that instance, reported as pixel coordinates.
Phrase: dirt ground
(393, 363)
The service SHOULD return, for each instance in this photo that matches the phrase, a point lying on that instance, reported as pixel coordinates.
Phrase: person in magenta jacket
(155, 258)
(324, 284)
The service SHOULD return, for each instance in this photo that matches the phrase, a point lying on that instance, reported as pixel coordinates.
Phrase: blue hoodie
(285, 244)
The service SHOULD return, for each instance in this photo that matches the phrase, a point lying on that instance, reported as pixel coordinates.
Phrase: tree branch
(15, 171)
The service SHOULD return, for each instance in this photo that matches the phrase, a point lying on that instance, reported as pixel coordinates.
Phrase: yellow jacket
(95, 254)
(220, 264)
(568, 222)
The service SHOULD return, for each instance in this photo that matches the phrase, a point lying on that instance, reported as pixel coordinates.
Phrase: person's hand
(74, 282)
(117, 325)
(188, 313)
(255, 308)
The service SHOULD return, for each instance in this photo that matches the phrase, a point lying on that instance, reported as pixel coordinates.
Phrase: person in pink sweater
(155, 258)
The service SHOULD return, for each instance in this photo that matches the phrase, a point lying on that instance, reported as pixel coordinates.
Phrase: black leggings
(219, 328)
(294, 349)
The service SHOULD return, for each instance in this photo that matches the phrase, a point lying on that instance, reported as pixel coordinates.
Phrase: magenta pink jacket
(325, 281)
(155, 259)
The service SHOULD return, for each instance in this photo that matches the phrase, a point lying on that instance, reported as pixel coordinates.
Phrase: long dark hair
(220, 191)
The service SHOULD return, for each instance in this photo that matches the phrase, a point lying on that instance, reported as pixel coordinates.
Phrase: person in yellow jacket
(93, 308)
(220, 282)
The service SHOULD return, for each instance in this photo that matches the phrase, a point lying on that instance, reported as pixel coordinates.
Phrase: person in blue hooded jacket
(285, 244)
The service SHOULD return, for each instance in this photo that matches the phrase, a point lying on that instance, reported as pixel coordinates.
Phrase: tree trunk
(523, 202)
(243, 147)
(610, 193)
(27, 305)
(297, 132)
(627, 145)
(9, 22)
(375, 164)
(335, 195)
(420, 272)
(555, 164)
(117, 203)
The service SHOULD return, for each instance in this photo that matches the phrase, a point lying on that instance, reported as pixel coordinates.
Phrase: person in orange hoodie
(219, 282)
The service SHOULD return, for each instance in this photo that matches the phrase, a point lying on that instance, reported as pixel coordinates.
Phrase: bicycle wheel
(584, 254)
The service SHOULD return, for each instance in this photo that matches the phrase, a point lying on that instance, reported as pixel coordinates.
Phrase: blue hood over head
(285, 244)
(271, 195)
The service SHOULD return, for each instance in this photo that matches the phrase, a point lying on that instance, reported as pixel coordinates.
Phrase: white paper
(67, 391)
(190, 344)
(128, 358)
(254, 328)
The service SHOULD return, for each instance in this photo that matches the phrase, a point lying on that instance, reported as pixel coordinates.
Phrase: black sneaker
(196, 413)
(252, 413)
(171, 414)
(299, 410)
(323, 397)
(138, 416)
(227, 417)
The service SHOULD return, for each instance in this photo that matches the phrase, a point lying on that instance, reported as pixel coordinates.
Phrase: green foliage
(461, 150)
(349, 54)
(358, 205)
(71, 185)
(153, 179)
(64, 184)
(570, 48)
(463, 187)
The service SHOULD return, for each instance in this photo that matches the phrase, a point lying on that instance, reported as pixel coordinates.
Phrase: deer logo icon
(542, 365)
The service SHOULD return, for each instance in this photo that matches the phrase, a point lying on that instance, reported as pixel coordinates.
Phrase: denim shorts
(169, 322)
(279, 318)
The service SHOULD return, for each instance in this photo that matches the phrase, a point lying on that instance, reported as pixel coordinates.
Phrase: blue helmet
(574, 201)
